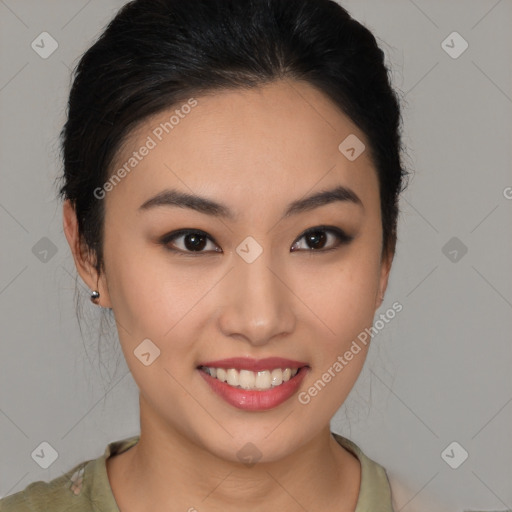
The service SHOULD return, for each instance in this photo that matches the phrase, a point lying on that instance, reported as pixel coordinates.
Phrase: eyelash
(341, 236)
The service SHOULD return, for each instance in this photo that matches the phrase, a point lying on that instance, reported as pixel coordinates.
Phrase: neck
(166, 470)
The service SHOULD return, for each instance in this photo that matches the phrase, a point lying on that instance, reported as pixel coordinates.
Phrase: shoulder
(375, 489)
(404, 486)
(58, 495)
(83, 488)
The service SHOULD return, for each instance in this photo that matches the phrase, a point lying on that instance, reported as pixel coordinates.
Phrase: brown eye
(193, 241)
(316, 238)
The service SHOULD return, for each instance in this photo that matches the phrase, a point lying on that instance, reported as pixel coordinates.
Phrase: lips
(290, 374)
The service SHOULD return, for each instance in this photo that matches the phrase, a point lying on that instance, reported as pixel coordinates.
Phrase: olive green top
(86, 488)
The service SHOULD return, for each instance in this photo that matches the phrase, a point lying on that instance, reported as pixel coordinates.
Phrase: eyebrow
(176, 198)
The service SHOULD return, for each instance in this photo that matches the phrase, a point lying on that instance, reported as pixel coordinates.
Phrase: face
(262, 273)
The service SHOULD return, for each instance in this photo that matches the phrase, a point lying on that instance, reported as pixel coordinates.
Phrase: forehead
(279, 140)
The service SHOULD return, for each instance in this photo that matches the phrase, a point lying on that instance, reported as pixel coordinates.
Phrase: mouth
(249, 380)
(254, 384)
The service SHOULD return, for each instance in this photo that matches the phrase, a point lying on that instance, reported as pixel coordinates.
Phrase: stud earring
(95, 295)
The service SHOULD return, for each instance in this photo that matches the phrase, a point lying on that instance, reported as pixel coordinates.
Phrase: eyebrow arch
(172, 197)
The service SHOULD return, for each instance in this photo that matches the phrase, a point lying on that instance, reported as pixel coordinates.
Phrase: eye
(317, 238)
(194, 241)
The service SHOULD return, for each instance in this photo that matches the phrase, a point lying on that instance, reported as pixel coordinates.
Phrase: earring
(95, 295)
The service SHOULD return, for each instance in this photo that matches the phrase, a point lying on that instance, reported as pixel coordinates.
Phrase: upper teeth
(247, 379)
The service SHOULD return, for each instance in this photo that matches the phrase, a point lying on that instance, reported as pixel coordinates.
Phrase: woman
(231, 181)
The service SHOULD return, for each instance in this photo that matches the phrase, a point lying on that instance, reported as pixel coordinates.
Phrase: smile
(254, 384)
(249, 380)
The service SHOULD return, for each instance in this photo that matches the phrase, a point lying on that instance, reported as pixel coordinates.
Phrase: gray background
(439, 372)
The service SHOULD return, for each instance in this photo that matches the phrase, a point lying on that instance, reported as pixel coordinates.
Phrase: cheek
(157, 298)
(344, 310)
(342, 296)
(148, 295)
(352, 304)
(152, 303)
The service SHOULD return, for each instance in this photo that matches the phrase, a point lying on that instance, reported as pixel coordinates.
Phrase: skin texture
(255, 151)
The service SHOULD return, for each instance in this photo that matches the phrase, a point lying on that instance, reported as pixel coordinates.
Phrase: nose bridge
(257, 305)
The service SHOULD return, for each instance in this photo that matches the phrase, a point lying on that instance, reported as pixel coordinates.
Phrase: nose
(257, 303)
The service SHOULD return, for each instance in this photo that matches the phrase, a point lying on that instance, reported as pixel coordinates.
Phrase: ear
(84, 261)
(385, 269)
